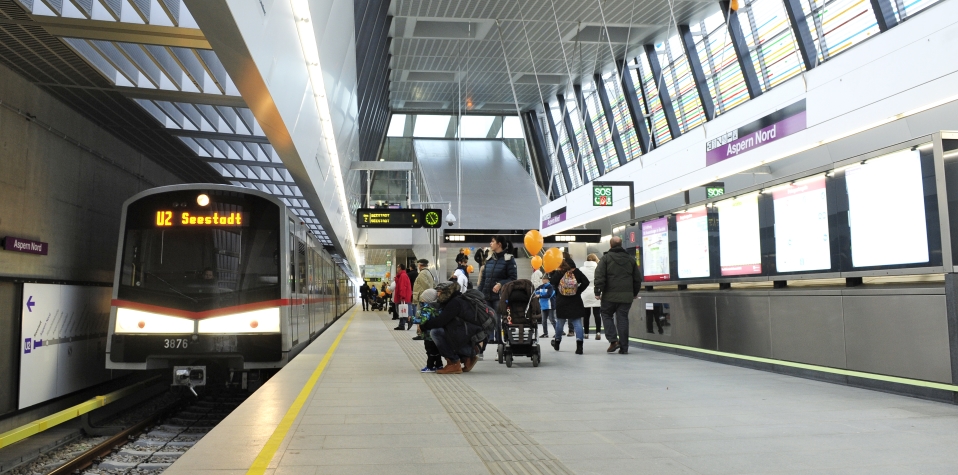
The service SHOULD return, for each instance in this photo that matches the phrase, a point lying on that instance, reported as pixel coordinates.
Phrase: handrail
(13, 436)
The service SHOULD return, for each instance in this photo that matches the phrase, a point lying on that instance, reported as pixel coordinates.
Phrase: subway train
(221, 276)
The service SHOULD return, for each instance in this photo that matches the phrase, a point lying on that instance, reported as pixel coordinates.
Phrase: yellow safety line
(261, 463)
(824, 369)
(15, 435)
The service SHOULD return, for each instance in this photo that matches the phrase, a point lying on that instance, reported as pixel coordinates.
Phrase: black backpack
(485, 317)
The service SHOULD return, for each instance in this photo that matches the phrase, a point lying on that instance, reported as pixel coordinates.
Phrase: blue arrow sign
(30, 304)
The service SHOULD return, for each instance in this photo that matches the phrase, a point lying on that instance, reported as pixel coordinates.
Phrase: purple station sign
(11, 243)
(554, 218)
(775, 126)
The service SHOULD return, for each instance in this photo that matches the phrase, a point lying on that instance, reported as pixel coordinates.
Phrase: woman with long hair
(499, 270)
(569, 283)
(591, 303)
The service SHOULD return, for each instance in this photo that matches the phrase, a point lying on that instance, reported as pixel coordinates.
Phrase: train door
(293, 290)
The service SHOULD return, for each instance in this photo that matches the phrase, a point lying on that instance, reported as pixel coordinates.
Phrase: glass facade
(571, 164)
(647, 87)
(582, 138)
(603, 135)
(769, 37)
(620, 111)
(723, 74)
(837, 25)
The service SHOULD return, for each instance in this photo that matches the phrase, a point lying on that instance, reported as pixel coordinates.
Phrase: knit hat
(428, 296)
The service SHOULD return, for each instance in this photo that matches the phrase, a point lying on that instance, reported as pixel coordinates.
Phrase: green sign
(601, 196)
(711, 191)
(432, 217)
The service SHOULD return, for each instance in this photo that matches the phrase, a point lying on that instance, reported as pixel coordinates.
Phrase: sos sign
(601, 196)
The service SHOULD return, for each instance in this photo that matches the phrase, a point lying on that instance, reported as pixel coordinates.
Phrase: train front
(198, 283)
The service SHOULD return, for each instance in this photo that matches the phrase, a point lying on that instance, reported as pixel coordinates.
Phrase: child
(546, 295)
(428, 310)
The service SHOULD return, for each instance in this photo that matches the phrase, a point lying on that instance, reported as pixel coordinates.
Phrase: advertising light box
(887, 211)
(692, 233)
(655, 249)
(801, 226)
(740, 252)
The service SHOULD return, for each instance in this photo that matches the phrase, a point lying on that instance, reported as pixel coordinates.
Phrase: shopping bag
(403, 310)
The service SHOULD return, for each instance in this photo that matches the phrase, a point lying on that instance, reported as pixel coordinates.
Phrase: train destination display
(655, 248)
(740, 252)
(887, 210)
(801, 226)
(692, 233)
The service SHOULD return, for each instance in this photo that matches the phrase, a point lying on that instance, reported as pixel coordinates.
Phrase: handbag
(403, 310)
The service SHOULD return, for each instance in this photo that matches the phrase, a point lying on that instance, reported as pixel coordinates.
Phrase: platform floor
(371, 411)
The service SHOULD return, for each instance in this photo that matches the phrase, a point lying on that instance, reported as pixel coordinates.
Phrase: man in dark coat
(364, 295)
(617, 284)
(451, 330)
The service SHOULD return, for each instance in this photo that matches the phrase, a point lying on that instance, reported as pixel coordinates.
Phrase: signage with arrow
(30, 304)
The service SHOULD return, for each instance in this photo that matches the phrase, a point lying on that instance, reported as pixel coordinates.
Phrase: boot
(468, 363)
(402, 324)
(555, 344)
(612, 347)
(452, 367)
(578, 347)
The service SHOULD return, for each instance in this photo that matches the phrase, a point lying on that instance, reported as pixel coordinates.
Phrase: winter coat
(403, 292)
(569, 306)
(413, 274)
(545, 293)
(454, 318)
(499, 269)
(423, 282)
(364, 291)
(588, 297)
(617, 277)
(535, 311)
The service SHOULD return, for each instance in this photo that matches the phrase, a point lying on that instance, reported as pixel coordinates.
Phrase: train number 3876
(175, 343)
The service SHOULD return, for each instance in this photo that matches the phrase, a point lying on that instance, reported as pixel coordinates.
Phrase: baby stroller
(379, 303)
(520, 315)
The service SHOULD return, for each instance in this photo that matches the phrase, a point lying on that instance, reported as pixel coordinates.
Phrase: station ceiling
(447, 53)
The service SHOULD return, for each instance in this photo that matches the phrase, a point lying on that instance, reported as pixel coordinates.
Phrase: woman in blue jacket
(499, 270)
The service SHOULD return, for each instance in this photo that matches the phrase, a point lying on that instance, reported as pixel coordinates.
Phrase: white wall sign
(801, 227)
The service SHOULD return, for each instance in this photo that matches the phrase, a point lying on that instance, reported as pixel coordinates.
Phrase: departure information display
(801, 227)
(740, 252)
(886, 214)
(692, 233)
(655, 248)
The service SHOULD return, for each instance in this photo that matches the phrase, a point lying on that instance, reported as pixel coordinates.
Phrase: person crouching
(452, 331)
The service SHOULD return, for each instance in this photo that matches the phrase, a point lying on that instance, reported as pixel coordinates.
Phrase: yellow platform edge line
(824, 369)
(261, 463)
(17, 434)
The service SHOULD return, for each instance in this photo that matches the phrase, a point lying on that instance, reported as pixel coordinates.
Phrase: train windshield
(177, 254)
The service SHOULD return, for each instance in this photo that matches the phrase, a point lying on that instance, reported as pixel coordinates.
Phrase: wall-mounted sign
(775, 126)
(515, 236)
(713, 190)
(398, 218)
(601, 196)
(554, 218)
(16, 244)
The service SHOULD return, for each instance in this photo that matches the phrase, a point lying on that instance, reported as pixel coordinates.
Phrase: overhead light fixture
(203, 200)
(307, 41)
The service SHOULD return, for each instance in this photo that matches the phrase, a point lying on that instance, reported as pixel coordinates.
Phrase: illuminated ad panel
(692, 233)
(801, 227)
(655, 249)
(887, 211)
(739, 250)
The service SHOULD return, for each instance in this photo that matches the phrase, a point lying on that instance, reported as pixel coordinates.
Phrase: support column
(803, 36)
(636, 111)
(667, 107)
(884, 14)
(589, 130)
(538, 148)
(698, 74)
(610, 118)
(741, 51)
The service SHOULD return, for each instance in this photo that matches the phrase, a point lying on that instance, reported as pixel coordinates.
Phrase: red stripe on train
(143, 307)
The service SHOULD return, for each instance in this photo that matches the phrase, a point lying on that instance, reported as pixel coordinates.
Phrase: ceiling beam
(202, 134)
(119, 31)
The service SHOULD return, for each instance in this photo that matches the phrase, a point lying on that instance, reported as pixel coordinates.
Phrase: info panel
(692, 234)
(655, 249)
(801, 226)
(740, 250)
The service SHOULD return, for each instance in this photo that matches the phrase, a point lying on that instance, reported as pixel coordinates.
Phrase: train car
(218, 275)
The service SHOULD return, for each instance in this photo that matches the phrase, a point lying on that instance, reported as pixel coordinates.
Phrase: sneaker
(598, 337)
(427, 370)
(544, 335)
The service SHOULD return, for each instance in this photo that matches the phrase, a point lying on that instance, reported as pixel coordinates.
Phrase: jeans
(575, 322)
(616, 318)
(446, 349)
(548, 321)
(596, 314)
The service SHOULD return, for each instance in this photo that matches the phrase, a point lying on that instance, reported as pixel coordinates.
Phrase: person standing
(403, 294)
(364, 295)
(569, 283)
(546, 294)
(617, 284)
(588, 297)
(461, 274)
(500, 269)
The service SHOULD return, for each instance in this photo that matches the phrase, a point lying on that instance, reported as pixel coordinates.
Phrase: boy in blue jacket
(428, 311)
(546, 295)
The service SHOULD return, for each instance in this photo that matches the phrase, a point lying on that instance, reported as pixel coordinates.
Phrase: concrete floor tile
(460, 455)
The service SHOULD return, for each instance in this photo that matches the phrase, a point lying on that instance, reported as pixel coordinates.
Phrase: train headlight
(258, 321)
(203, 200)
(136, 321)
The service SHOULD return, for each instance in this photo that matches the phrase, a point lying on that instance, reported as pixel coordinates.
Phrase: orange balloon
(536, 263)
(382, 294)
(387, 275)
(466, 252)
(552, 259)
(533, 241)
(469, 269)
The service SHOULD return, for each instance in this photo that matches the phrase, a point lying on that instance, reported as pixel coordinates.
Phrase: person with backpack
(569, 283)
(455, 330)
(499, 270)
(546, 294)
(617, 284)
